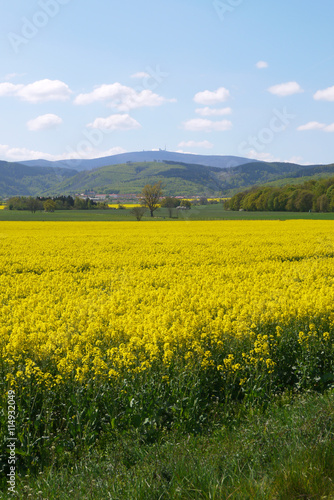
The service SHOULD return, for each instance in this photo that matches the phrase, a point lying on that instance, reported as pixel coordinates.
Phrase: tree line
(312, 195)
(151, 199)
(51, 204)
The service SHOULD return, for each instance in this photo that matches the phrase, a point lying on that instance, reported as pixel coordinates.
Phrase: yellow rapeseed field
(95, 301)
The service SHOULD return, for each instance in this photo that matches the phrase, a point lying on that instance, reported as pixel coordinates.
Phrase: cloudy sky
(82, 79)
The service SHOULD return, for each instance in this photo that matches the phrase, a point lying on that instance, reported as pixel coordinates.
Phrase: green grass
(199, 434)
(283, 453)
(202, 212)
(68, 215)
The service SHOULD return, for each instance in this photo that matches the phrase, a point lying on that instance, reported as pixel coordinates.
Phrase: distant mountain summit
(218, 161)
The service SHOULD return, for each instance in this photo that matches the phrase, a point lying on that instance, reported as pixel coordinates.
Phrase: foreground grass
(285, 452)
(201, 212)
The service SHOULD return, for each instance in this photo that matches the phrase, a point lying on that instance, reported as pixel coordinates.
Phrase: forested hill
(315, 195)
(18, 179)
(178, 178)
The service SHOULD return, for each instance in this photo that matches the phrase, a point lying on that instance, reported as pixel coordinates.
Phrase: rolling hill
(179, 178)
(256, 173)
(185, 179)
(19, 180)
(312, 173)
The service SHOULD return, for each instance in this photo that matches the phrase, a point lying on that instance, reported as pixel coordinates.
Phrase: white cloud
(202, 125)
(255, 155)
(115, 122)
(122, 97)
(145, 98)
(324, 95)
(39, 91)
(9, 89)
(11, 76)
(44, 122)
(89, 153)
(45, 90)
(317, 126)
(23, 154)
(186, 152)
(311, 126)
(109, 152)
(140, 74)
(286, 89)
(194, 144)
(295, 159)
(329, 128)
(213, 111)
(261, 64)
(211, 98)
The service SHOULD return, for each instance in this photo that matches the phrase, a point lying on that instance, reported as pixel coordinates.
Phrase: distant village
(125, 198)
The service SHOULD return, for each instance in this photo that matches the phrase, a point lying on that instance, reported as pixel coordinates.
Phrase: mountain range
(143, 156)
(184, 174)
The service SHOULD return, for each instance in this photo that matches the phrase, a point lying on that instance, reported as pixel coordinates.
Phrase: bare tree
(138, 212)
(151, 195)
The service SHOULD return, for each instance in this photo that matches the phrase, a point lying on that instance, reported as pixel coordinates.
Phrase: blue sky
(82, 79)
